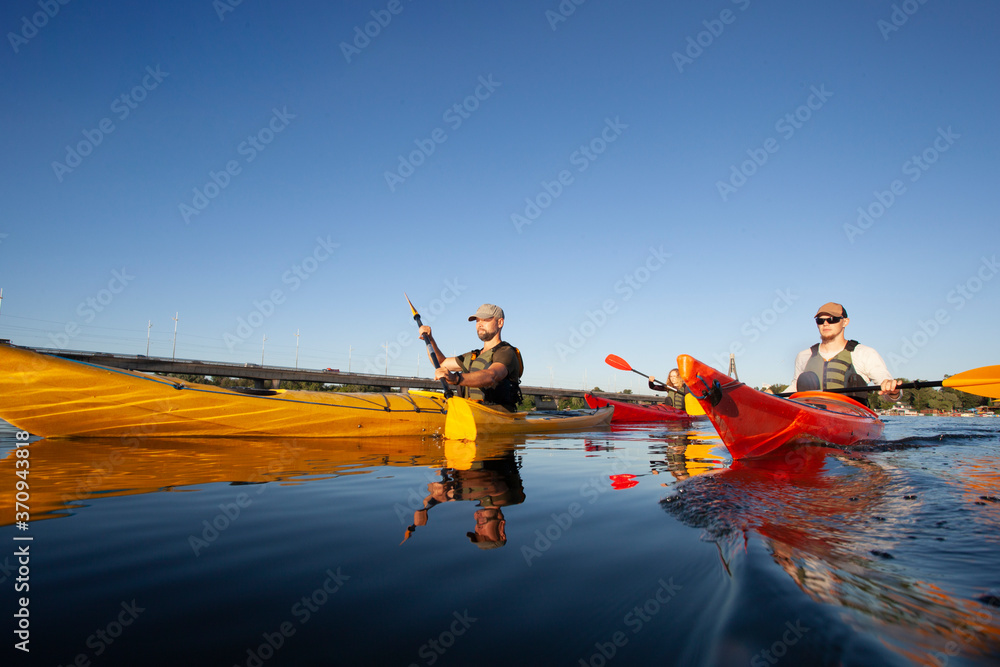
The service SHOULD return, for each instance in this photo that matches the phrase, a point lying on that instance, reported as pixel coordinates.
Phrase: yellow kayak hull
(53, 397)
(468, 420)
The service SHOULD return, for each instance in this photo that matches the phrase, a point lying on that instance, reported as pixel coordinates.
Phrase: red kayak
(632, 413)
(754, 423)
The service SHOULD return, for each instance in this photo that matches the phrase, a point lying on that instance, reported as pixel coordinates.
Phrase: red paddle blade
(619, 482)
(617, 362)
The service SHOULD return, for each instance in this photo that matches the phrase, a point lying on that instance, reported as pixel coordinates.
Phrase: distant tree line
(945, 399)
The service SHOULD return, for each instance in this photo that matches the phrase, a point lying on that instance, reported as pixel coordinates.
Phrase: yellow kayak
(53, 397)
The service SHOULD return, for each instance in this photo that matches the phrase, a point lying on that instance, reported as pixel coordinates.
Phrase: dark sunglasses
(828, 320)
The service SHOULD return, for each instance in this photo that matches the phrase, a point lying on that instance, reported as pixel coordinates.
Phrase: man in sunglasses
(836, 362)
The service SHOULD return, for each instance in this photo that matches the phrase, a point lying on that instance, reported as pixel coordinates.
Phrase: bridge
(271, 376)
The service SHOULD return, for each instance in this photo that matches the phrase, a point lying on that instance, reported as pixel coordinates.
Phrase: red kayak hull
(753, 423)
(631, 413)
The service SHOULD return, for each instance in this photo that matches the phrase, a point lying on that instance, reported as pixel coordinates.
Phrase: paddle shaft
(448, 393)
(875, 387)
(666, 387)
(615, 361)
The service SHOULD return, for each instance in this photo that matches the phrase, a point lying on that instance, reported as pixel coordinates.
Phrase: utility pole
(350, 349)
(386, 346)
(296, 348)
(1, 297)
(173, 355)
(262, 350)
(148, 327)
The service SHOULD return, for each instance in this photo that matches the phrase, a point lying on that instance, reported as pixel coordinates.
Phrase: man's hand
(425, 332)
(448, 376)
(889, 388)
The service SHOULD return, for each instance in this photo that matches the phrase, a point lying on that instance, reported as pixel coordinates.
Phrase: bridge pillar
(546, 403)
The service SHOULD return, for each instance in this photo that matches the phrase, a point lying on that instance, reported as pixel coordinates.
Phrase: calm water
(631, 546)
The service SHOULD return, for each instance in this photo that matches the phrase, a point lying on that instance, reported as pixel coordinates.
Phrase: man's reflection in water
(492, 483)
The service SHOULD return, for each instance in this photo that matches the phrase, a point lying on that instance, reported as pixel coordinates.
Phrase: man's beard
(487, 336)
(831, 337)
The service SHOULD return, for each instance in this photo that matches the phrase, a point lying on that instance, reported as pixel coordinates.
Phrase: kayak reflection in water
(674, 386)
(492, 483)
(851, 535)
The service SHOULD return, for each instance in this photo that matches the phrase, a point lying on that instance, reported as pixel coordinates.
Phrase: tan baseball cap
(834, 309)
(486, 311)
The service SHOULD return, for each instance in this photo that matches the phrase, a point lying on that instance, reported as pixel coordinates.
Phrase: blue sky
(639, 178)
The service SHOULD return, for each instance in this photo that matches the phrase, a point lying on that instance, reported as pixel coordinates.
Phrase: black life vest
(838, 372)
(677, 398)
(507, 392)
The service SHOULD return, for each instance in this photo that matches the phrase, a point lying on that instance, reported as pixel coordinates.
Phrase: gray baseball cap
(486, 311)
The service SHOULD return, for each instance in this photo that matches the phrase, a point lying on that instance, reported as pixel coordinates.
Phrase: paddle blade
(619, 482)
(617, 362)
(460, 422)
(692, 405)
(412, 309)
(983, 381)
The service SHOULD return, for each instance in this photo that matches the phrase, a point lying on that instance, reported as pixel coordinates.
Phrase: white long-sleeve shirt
(867, 362)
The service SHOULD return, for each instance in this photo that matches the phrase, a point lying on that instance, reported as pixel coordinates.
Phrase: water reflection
(855, 535)
(486, 473)
(67, 474)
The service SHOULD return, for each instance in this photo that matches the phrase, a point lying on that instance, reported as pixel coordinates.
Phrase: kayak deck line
(277, 394)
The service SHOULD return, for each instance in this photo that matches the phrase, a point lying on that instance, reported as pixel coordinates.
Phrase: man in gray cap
(492, 373)
(836, 362)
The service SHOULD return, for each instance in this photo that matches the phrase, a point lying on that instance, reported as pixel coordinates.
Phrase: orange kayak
(754, 423)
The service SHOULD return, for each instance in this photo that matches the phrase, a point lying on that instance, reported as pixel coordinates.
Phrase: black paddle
(448, 393)
(983, 381)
